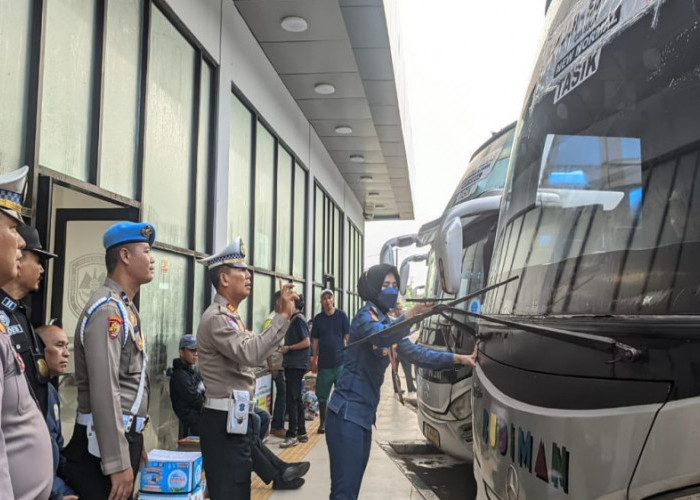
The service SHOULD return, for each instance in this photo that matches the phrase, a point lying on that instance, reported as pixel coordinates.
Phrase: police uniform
(14, 315)
(353, 405)
(25, 446)
(227, 353)
(110, 373)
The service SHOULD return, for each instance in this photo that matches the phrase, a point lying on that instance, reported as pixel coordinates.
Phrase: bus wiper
(620, 350)
(403, 325)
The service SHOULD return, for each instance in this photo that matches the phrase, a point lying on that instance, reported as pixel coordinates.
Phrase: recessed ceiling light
(324, 88)
(365, 178)
(373, 193)
(343, 129)
(294, 24)
(357, 158)
(380, 206)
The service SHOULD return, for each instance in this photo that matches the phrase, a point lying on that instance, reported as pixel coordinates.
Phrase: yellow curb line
(262, 491)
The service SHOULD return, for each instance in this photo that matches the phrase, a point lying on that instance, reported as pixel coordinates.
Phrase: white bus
(466, 230)
(588, 383)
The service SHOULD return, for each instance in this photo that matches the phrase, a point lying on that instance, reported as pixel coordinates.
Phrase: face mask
(388, 297)
(299, 304)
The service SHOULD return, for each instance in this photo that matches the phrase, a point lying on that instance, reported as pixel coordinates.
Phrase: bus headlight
(461, 407)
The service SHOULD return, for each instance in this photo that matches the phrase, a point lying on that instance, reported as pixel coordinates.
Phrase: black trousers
(226, 457)
(266, 464)
(83, 472)
(295, 405)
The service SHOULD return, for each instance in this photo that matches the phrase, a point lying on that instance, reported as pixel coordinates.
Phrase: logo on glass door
(85, 275)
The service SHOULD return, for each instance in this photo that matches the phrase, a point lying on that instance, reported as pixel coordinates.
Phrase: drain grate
(434, 474)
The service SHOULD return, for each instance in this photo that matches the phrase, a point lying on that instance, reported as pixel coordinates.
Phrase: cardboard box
(171, 472)
(197, 494)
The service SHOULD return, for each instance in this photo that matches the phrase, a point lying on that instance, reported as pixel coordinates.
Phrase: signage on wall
(85, 275)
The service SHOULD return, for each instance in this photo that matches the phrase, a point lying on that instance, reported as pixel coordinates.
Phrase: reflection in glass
(198, 288)
(203, 152)
(239, 175)
(120, 102)
(262, 300)
(66, 103)
(336, 232)
(169, 133)
(264, 172)
(163, 310)
(15, 27)
(283, 232)
(299, 222)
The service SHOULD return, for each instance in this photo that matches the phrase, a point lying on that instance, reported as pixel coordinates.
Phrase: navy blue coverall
(353, 405)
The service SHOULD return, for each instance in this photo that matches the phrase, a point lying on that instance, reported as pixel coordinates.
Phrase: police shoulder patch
(114, 326)
(232, 323)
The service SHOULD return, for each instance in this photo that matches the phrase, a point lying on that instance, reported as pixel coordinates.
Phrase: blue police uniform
(353, 404)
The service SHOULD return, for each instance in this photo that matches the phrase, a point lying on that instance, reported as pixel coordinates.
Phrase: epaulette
(94, 307)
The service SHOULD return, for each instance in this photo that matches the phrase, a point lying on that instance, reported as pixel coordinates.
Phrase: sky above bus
(467, 65)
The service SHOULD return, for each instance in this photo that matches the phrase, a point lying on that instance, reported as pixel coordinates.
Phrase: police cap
(233, 256)
(31, 237)
(12, 192)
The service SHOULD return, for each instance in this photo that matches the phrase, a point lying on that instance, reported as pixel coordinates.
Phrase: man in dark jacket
(187, 389)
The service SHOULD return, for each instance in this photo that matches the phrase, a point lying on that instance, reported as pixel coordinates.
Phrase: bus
(458, 261)
(588, 381)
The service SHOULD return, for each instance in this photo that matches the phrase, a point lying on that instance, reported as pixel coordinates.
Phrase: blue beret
(233, 255)
(122, 233)
(188, 342)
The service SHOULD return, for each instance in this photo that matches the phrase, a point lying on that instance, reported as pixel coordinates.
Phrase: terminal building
(280, 121)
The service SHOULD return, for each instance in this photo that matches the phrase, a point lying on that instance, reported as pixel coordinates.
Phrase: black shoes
(294, 471)
(294, 484)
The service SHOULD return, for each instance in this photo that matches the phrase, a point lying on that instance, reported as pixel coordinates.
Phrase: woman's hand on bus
(419, 308)
(467, 359)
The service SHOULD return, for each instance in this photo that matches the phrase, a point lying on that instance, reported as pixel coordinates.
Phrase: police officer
(26, 470)
(103, 456)
(14, 314)
(353, 404)
(227, 353)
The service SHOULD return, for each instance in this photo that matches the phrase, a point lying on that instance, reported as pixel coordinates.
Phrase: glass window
(239, 159)
(15, 27)
(299, 221)
(120, 102)
(169, 133)
(164, 320)
(66, 103)
(262, 300)
(198, 288)
(318, 236)
(284, 211)
(336, 232)
(203, 154)
(264, 185)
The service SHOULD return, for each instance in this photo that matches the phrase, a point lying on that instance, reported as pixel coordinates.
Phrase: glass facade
(120, 106)
(115, 102)
(66, 102)
(169, 132)
(15, 33)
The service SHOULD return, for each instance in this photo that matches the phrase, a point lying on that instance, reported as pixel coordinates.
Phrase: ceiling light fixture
(357, 158)
(373, 193)
(365, 178)
(379, 206)
(294, 24)
(343, 129)
(324, 88)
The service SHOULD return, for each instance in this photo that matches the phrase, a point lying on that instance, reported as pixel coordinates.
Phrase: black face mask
(299, 304)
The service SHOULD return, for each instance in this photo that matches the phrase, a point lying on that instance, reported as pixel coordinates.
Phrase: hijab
(370, 284)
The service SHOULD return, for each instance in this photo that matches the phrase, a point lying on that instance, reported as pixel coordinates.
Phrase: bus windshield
(600, 211)
(486, 172)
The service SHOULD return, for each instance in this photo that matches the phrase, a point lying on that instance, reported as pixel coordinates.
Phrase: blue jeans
(280, 405)
(348, 449)
(261, 422)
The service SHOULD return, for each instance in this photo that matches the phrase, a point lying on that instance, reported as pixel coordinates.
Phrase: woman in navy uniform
(353, 405)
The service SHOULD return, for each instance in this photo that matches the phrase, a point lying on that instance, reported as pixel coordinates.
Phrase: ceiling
(346, 44)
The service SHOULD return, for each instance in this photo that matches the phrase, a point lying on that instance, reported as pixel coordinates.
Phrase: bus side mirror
(448, 248)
